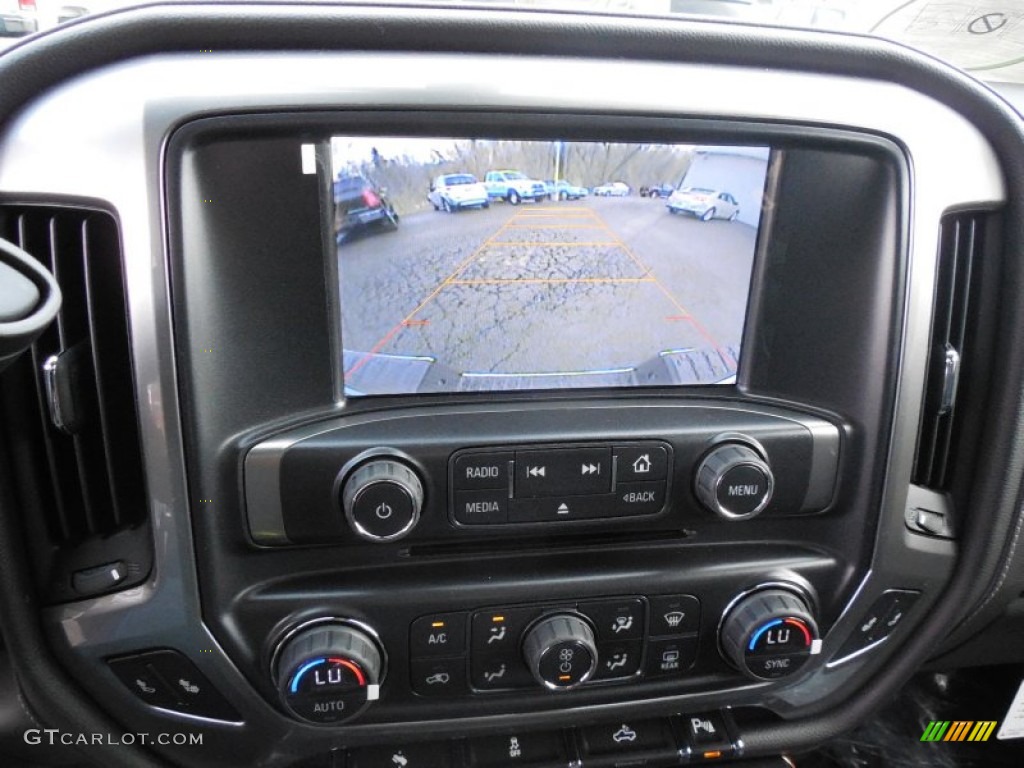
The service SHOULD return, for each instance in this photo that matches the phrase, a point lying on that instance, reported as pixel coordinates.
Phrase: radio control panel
(559, 484)
(511, 469)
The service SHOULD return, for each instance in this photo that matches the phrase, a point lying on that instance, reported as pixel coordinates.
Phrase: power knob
(769, 634)
(382, 500)
(329, 672)
(734, 481)
(560, 651)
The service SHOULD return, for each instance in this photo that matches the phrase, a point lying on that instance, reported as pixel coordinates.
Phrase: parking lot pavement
(583, 288)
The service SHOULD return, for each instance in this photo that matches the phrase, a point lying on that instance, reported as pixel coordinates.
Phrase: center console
(494, 521)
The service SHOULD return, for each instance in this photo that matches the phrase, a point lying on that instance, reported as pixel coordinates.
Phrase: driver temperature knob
(560, 651)
(329, 672)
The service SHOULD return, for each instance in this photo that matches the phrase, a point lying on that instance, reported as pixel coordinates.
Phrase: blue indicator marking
(761, 631)
(294, 688)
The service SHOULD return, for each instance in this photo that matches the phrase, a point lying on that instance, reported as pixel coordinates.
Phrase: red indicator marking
(800, 625)
(676, 318)
(355, 670)
(415, 323)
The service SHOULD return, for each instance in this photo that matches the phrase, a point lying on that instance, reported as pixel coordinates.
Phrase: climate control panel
(558, 646)
(330, 670)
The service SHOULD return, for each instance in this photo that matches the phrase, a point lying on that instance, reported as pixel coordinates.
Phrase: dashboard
(569, 476)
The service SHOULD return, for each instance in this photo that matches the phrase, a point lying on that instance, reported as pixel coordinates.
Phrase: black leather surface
(35, 65)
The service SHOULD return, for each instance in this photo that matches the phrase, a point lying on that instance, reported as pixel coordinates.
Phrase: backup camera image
(482, 265)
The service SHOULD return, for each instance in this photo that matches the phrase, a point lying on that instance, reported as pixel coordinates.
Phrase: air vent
(71, 410)
(960, 241)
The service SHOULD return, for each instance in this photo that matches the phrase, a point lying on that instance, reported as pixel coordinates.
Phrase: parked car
(658, 190)
(612, 189)
(563, 190)
(17, 18)
(513, 186)
(452, 192)
(705, 204)
(360, 207)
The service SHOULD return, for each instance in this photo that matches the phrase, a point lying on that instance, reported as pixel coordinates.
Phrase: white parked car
(612, 189)
(454, 191)
(513, 186)
(705, 204)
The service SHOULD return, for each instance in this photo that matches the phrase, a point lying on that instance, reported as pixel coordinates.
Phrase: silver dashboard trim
(122, 114)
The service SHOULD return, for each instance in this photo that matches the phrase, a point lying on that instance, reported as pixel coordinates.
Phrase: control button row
(496, 508)
(166, 678)
(880, 621)
(578, 471)
(697, 738)
(563, 472)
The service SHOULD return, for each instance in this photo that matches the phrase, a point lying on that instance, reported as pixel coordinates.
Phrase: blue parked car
(563, 190)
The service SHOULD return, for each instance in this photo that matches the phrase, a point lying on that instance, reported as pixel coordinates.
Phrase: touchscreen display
(483, 265)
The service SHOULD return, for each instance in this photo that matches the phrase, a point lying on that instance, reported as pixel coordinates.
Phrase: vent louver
(71, 409)
(960, 241)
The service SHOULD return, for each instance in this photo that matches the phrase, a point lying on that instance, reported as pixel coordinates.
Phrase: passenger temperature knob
(769, 634)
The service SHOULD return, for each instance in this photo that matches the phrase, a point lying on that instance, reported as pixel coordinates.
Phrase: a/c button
(441, 634)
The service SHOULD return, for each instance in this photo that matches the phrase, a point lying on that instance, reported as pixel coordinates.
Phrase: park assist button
(563, 472)
(476, 471)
